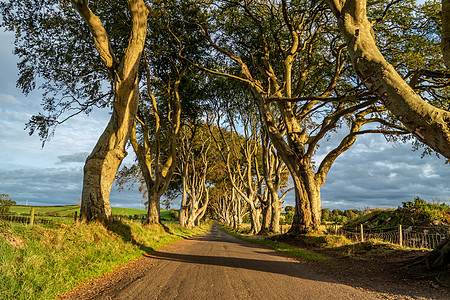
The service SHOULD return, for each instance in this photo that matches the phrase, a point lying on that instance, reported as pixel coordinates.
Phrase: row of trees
(226, 100)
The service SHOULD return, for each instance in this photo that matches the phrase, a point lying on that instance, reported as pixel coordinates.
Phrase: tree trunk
(254, 219)
(266, 213)
(445, 38)
(307, 214)
(102, 164)
(154, 209)
(439, 258)
(184, 205)
(275, 216)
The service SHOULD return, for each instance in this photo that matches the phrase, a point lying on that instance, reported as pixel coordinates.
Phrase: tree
(295, 66)
(326, 214)
(5, 203)
(194, 165)
(173, 96)
(54, 43)
(428, 123)
(275, 176)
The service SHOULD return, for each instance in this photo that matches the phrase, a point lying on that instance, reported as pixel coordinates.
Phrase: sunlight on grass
(42, 263)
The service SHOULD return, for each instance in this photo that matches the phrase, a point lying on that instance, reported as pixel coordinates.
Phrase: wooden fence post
(32, 216)
(76, 215)
(362, 233)
(400, 234)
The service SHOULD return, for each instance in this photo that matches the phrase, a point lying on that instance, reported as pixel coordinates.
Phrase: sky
(373, 173)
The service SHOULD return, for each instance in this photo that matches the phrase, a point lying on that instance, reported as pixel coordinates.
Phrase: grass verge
(42, 263)
(281, 247)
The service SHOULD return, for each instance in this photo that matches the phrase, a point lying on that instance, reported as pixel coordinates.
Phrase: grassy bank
(42, 262)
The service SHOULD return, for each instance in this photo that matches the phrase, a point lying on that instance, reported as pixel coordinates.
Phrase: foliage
(338, 216)
(416, 213)
(43, 263)
(170, 215)
(56, 54)
(289, 208)
(5, 203)
(289, 217)
(433, 210)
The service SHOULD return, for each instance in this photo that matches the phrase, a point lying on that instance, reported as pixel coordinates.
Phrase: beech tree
(428, 121)
(243, 167)
(194, 165)
(295, 66)
(172, 97)
(275, 176)
(74, 48)
(430, 124)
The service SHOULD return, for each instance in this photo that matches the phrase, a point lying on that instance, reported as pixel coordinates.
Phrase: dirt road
(219, 266)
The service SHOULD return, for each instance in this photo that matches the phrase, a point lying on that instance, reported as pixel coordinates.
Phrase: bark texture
(439, 258)
(102, 164)
(429, 124)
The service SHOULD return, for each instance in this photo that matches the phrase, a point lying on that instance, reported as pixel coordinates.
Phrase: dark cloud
(55, 186)
(76, 157)
(374, 173)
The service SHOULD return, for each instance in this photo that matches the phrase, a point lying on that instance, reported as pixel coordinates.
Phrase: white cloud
(8, 100)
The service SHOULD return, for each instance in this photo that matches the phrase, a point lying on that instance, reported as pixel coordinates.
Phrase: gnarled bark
(102, 164)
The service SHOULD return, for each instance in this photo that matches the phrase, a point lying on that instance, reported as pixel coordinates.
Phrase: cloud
(374, 173)
(55, 186)
(76, 157)
(9, 100)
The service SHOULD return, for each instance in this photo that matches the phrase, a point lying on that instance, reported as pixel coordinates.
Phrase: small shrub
(175, 214)
(289, 217)
(5, 203)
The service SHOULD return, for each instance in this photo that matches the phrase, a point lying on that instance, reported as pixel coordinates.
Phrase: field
(69, 210)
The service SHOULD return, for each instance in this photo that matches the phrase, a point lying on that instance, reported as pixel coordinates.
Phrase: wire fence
(426, 238)
(31, 219)
(35, 219)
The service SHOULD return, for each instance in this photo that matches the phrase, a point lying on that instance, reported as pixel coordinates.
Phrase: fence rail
(36, 219)
(409, 239)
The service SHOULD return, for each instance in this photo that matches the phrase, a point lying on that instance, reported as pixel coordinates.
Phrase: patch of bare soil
(380, 268)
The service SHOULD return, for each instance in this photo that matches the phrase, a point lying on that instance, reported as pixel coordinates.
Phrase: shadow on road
(270, 266)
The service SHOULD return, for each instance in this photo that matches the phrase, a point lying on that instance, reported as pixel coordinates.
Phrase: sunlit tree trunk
(102, 164)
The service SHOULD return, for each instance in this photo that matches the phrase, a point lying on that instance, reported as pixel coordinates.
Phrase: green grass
(42, 263)
(282, 247)
(127, 211)
(62, 210)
